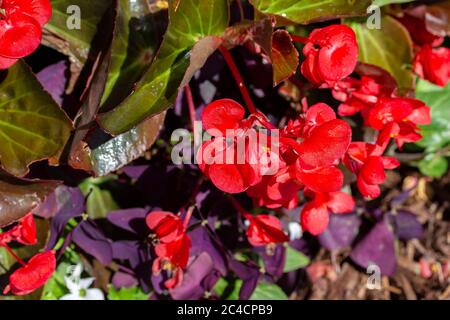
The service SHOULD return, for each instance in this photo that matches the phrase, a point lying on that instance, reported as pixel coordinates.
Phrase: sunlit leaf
(32, 126)
(268, 291)
(389, 48)
(305, 11)
(284, 56)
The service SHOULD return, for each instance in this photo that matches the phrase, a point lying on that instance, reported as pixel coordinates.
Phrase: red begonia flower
(21, 23)
(264, 229)
(362, 94)
(172, 257)
(278, 190)
(315, 214)
(166, 225)
(33, 275)
(433, 65)
(367, 162)
(331, 55)
(400, 116)
(25, 231)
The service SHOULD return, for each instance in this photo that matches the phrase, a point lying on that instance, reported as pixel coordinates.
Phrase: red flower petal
(20, 35)
(320, 113)
(233, 178)
(33, 275)
(265, 229)
(221, 115)
(326, 144)
(390, 110)
(166, 225)
(25, 231)
(373, 170)
(340, 202)
(5, 63)
(314, 218)
(371, 191)
(326, 179)
(176, 252)
(40, 10)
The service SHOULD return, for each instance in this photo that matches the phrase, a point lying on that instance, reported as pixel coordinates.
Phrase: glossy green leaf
(294, 260)
(126, 147)
(433, 166)
(187, 44)
(138, 34)
(268, 291)
(389, 48)
(32, 126)
(228, 290)
(436, 135)
(73, 41)
(305, 11)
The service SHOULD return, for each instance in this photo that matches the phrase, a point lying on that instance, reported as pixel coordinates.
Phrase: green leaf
(294, 260)
(433, 166)
(268, 291)
(228, 290)
(127, 294)
(284, 56)
(74, 42)
(389, 48)
(99, 201)
(20, 196)
(306, 11)
(381, 3)
(32, 126)
(190, 38)
(138, 34)
(437, 134)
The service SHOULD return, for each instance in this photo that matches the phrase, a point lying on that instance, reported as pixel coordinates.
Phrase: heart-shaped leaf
(437, 134)
(32, 126)
(306, 11)
(393, 53)
(191, 24)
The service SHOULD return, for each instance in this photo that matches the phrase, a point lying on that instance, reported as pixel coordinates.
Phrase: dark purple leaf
(406, 225)
(191, 288)
(54, 79)
(91, 239)
(123, 280)
(132, 220)
(249, 273)
(341, 231)
(377, 247)
(64, 204)
(134, 172)
(273, 261)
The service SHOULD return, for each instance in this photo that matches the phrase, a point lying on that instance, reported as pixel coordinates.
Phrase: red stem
(240, 208)
(13, 254)
(299, 39)
(238, 78)
(188, 217)
(191, 106)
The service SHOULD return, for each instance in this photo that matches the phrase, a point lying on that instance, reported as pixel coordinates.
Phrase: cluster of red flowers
(172, 244)
(432, 62)
(310, 148)
(21, 23)
(38, 270)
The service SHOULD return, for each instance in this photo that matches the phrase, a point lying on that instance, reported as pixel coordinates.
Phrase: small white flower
(79, 288)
